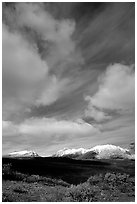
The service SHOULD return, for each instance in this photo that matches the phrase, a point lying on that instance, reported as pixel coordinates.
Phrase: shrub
(46, 181)
(18, 176)
(94, 180)
(110, 177)
(9, 174)
(20, 189)
(82, 193)
(56, 195)
(7, 197)
(120, 181)
(118, 178)
(6, 169)
(33, 178)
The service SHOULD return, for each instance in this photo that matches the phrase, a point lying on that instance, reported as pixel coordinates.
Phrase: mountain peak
(110, 147)
(67, 151)
(23, 153)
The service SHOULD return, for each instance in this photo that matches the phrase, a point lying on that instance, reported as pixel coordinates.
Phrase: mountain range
(107, 151)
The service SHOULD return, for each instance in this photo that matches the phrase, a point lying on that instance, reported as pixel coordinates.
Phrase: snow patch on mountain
(24, 153)
(67, 151)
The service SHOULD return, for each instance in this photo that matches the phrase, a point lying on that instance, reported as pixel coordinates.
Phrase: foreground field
(95, 181)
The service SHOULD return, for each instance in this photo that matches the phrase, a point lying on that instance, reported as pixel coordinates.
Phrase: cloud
(9, 129)
(108, 36)
(55, 34)
(27, 80)
(95, 113)
(54, 127)
(53, 90)
(46, 126)
(124, 121)
(21, 62)
(23, 71)
(116, 92)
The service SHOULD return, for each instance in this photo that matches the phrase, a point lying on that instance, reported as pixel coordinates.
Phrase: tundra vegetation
(100, 186)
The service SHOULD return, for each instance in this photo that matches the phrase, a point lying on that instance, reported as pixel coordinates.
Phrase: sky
(68, 75)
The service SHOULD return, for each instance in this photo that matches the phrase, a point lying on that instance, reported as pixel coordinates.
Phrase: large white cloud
(23, 72)
(27, 79)
(22, 65)
(116, 92)
(47, 127)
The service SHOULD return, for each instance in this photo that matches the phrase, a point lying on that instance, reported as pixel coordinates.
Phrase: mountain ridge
(107, 151)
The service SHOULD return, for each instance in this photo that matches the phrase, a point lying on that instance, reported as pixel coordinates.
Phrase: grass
(102, 186)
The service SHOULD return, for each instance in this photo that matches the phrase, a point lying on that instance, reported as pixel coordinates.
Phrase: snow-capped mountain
(98, 152)
(67, 151)
(24, 153)
(111, 151)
